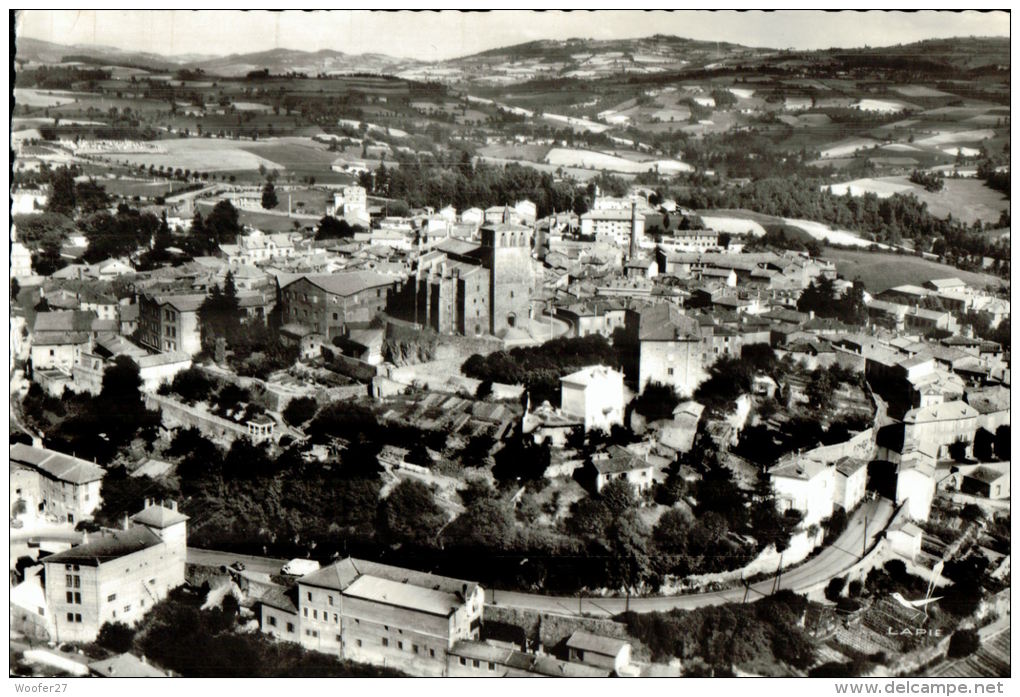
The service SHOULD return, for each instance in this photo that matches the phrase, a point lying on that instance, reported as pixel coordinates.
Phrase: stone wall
(553, 630)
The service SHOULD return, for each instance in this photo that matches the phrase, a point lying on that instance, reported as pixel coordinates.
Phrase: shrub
(963, 643)
(300, 411)
(835, 589)
(116, 636)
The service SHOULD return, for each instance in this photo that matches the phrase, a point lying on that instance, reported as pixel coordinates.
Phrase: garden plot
(961, 151)
(741, 93)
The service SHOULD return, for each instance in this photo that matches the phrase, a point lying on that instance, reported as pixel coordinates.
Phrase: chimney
(127, 523)
(173, 505)
(85, 537)
(148, 503)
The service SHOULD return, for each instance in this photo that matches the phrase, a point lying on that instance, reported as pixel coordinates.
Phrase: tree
(90, 197)
(657, 401)
(618, 496)
(670, 532)
(300, 410)
(269, 200)
(410, 513)
(62, 192)
(834, 588)
(963, 643)
(486, 524)
(116, 636)
(332, 229)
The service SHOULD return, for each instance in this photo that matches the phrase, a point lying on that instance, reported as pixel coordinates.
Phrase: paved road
(208, 557)
(830, 562)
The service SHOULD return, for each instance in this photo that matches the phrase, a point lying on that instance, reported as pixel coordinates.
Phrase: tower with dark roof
(506, 251)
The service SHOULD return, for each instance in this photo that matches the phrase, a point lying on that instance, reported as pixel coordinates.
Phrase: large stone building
(376, 613)
(58, 484)
(472, 288)
(595, 395)
(674, 350)
(618, 226)
(332, 304)
(169, 323)
(116, 575)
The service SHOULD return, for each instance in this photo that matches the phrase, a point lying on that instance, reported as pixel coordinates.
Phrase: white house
(915, 484)
(594, 394)
(851, 481)
(806, 486)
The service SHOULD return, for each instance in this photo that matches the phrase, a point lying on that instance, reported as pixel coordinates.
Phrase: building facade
(116, 575)
(169, 323)
(332, 304)
(63, 486)
(379, 614)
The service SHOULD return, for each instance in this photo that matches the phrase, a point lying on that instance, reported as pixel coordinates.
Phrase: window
(77, 598)
(77, 617)
(463, 661)
(309, 596)
(127, 608)
(70, 581)
(385, 641)
(475, 663)
(336, 316)
(414, 647)
(110, 598)
(339, 639)
(272, 621)
(669, 371)
(492, 666)
(330, 599)
(432, 653)
(305, 611)
(358, 642)
(336, 618)
(70, 597)
(70, 617)
(290, 627)
(315, 614)
(400, 645)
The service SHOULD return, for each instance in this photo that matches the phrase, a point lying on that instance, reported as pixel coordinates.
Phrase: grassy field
(967, 199)
(881, 271)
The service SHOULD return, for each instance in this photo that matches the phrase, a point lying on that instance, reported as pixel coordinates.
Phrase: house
(154, 370)
(851, 480)
(938, 427)
(597, 316)
(595, 395)
(915, 483)
(125, 665)
(116, 575)
(332, 304)
(59, 338)
(678, 433)
(617, 226)
(63, 486)
(128, 317)
(21, 261)
(987, 481)
(673, 350)
(599, 651)
(905, 538)
(169, 323)
(477, 659)
(375, 613)
(619, 463)
(804, 485)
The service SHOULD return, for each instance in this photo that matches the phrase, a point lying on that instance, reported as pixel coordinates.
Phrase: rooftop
(107, 545)
(586, 376)
(383, 590)
(620, 460)
(158, 516)
(126, 665)
(595, 643)
(58, 465)
(343, 573)
(348, 282)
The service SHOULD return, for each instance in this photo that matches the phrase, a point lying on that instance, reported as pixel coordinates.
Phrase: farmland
(882, 270)
(967, 200)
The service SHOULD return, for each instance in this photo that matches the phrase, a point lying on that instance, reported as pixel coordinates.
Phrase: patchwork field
(883, 188)
(919, 91)
(881, 270)
(949, 137)
(733, 225)
(42, 98)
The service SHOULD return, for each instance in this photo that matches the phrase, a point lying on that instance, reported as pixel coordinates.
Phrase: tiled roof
(606, 646)
(349, 282)
(58, 465)
(107, 545)
(159, 517)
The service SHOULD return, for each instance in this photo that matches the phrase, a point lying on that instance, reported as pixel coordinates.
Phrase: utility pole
(779, 574)
(864, 545)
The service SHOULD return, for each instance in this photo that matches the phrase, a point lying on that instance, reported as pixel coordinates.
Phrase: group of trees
(539, 368)
(929, 180)
(764, 635)
(821, 298)
(221, 226)
(889, 220)
(429, 181)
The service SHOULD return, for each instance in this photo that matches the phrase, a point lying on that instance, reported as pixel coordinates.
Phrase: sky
(430, 35)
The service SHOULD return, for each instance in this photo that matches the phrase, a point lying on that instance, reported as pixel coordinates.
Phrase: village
(548, 424)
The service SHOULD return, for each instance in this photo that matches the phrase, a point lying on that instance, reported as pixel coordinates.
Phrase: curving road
(832, 561)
